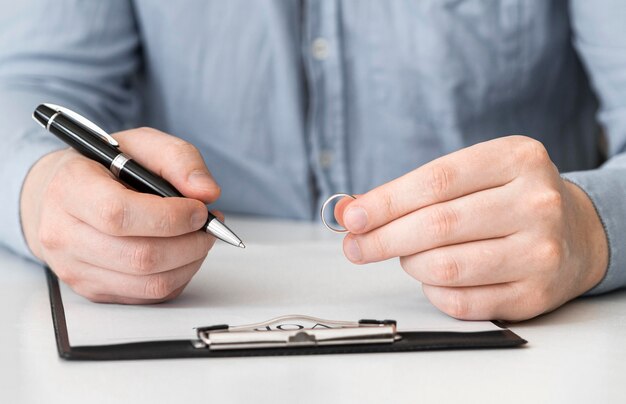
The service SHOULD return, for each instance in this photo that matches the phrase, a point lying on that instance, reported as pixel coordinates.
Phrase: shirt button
(319, 49)
(326, 158)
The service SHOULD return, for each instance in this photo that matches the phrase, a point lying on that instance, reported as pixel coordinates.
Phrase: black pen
(94, 143)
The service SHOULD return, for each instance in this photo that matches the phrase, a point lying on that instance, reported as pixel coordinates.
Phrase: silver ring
(329, 200)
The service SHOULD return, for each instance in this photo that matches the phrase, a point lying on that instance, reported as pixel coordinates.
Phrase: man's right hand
(112, 244)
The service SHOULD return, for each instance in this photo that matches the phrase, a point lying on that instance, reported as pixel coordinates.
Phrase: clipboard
(219, 341)
(288, 268)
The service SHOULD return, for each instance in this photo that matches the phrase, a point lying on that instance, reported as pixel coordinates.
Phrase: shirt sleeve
(80, 54)
(599, 35)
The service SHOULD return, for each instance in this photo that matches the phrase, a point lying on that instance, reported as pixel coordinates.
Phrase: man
(406, 103)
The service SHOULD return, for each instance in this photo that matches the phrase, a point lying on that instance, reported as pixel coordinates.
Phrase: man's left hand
(492, 231)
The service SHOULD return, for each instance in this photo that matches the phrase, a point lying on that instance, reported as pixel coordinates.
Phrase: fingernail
(201, 179)
(355, 218)
(198, 219)
(353, 251)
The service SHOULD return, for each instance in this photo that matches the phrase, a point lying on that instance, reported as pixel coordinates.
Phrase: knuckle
(548, 200)
(67, 275)
(113, 216)
(49, 238)
(389, 205)
(517, 141)
(534, 152)
(182, 148)
(440, 180)
(165, 222)
(147, 129)
(381, 246)
(443, 222)
(144, 257)
(550, 254)
(157, 287)
(446, 271)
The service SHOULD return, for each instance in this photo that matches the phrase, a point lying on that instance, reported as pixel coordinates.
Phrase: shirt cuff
(606, 187)
(15, 167)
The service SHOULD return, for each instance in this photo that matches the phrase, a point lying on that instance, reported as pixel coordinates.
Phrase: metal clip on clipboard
(224, 337)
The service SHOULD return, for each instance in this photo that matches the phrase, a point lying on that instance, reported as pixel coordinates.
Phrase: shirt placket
(326, 123)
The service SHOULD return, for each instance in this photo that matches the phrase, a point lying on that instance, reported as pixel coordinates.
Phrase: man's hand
(112, 244)
(491, 231)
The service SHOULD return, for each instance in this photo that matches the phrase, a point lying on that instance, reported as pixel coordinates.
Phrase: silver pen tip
(219, 230)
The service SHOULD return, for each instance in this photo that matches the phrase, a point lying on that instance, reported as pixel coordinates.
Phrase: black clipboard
(407, 342)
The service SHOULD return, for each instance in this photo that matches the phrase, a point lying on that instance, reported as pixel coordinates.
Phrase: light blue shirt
(290, 101)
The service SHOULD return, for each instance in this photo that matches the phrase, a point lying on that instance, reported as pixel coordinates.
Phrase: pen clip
(85, 122)
(262, 335)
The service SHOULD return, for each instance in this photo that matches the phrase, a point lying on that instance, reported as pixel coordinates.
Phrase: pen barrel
(144, 180)
(83, 140)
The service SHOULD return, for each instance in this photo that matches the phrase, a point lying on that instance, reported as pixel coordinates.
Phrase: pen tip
(242, 245)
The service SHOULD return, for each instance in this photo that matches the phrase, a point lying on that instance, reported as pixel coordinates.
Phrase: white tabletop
(576, 354)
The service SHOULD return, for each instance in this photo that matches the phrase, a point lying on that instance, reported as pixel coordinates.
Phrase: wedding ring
(323, 210)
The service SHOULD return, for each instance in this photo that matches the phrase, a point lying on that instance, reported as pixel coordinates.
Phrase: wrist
(589, 239)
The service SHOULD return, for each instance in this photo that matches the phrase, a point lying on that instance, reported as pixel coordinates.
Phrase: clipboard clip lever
(288, 332)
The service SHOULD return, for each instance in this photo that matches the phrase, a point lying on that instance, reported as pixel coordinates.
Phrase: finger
(172, 158)
(89, 194)
(219, 215)
(471, 264)
(485, 165)
(90, 281)
(479, 216)
(491, 302)
(340, 208)
(137, 255)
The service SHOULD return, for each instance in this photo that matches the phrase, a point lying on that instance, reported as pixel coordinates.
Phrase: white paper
(267, 280)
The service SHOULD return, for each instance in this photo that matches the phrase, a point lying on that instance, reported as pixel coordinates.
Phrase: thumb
(177, 161)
